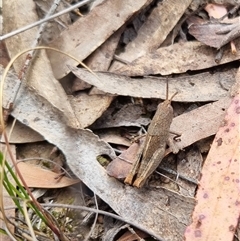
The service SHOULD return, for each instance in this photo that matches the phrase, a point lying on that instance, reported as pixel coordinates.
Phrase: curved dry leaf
(219, 185)
(178, 58)
(21, 134)
(121, 165)
(37, 177)
(199, 87)
(88, 108)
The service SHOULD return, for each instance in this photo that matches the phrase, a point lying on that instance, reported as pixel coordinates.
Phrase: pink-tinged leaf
(216, 215)
(35, 176)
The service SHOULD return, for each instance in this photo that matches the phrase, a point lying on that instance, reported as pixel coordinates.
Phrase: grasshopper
(155, 145)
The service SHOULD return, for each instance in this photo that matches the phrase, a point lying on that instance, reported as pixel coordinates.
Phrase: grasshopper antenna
(167, 91)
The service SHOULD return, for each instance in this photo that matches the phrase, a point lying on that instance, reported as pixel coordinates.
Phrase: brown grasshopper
(155, 145)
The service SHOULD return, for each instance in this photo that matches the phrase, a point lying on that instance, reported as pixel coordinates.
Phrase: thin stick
(20, 30)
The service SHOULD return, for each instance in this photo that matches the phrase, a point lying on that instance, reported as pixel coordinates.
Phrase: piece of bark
(178, 58)
(93, 29)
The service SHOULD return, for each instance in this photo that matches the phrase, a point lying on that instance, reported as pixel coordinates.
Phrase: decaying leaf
(178, 58)
(113, 136)
(21, 134)
(208, 86)
(215, 34)
(37, 177)
(86, 109)
(219, 185)
(199, 123)
(128, 115)
(121, 165)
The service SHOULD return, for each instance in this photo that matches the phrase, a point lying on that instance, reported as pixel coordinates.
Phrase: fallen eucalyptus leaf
(38, 177)
(199, 123)
(21, 134)
(121, 165)
(192, 88)
(207, 32)
(219, 184)
(178, 58)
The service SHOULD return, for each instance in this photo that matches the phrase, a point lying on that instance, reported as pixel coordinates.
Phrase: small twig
(95, 219)
(121, 60)
(20, 30)
(191, 180)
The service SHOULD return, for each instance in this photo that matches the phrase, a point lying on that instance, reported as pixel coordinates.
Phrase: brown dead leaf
(151, 35)
(128, 115)
(121, 165)
(215, 34)
(89, 108)
(218, 194)
(37, 177)
(21, 134)
(178, 58)
(208, 86)
(199, 123)
(130, 236)
(101, 22)
(113, 136)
